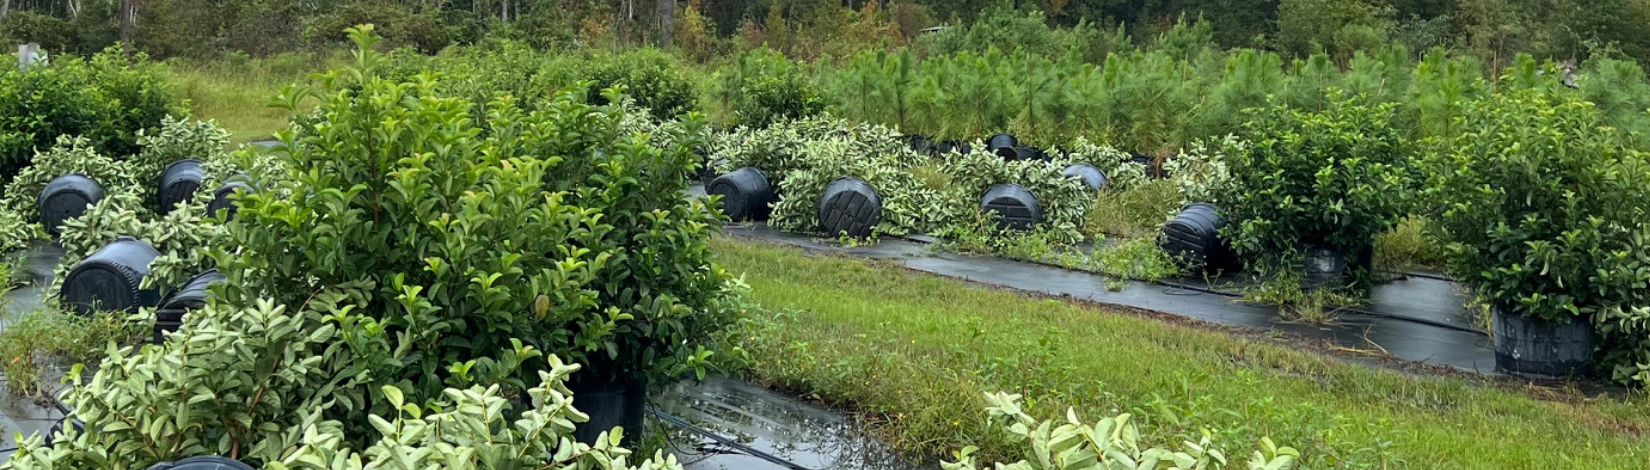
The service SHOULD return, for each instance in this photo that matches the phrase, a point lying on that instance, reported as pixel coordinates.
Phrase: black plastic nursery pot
(1092, 177)
(1193, 238)
(179, 183)
(223, 198)
(1003, 145)
(111, 279)
(67, 197)
(1014, 205)
(1322, 265)
(610, 403)
(921, 143)
(62, 424)
(193, 296)
(850, 206)
(950, 146)
(1542, 349)
(1030, 154)
(203, 463)
(746, 194)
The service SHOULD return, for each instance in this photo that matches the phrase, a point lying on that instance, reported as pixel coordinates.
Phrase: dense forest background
(1493, 30)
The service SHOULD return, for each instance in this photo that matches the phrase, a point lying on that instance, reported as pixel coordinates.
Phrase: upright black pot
(1003, 145)
(1542, 349)
(610, 403)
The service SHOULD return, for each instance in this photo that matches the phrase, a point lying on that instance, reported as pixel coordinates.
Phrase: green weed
(1136, 212)
(1406, 247)
(39, 340)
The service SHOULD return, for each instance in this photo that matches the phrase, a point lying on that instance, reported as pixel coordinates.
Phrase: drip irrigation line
(679, 422)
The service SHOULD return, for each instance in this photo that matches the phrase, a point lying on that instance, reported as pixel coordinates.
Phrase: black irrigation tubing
(679, 422)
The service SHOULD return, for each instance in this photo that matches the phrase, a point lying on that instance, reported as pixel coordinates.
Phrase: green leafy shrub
(648, 76)
(1543, 211)
(265, 383)
(1336, 177)
(1112, 442)
(106, 100)
(552, 231)
(764, 88)
(1200, 173)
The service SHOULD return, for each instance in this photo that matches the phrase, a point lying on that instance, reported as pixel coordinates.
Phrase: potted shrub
(1313, 188)
(1544, 216)
(560, 231)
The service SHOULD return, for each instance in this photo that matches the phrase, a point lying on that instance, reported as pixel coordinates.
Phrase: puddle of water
(805, 436)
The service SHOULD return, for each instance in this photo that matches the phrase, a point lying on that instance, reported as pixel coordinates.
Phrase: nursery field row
(913, 353)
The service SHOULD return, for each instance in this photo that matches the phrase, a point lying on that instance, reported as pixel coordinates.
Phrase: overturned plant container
(850, 206)
(1542, 349)
(112, 279)
(67, 197)
(193, 296)
(1092, 178)
(179, 183)
(223, 199)
(746, 194)
(1193, 239)
(1014, 205)
(64, 426)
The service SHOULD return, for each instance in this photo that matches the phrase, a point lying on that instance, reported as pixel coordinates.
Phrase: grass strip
(914, 353)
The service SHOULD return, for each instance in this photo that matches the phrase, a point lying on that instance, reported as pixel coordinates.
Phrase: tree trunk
(5, 7)
(667, 22)
(126, 13)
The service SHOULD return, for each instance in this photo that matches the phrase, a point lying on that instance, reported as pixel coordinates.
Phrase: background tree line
(1493, 30)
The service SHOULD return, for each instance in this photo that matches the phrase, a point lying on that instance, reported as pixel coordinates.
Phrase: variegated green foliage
(1112, 443)
(178, 139)
(1120, 175)
(71, 155)
(1065, 201)
(259, 383)
(182, 236)
(908, 206)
